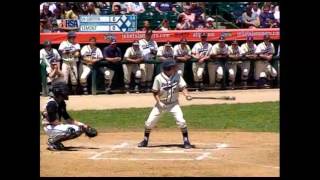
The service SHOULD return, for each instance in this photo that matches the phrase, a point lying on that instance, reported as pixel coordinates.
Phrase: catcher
(51, 119)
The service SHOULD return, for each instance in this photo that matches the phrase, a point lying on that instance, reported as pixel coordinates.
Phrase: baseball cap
(135, 43)
(71, 34)
(149, 32)
(249, 38)
(168, 44)
(203, 34)
(113, 41)
(47, 43)
(167, 64)
(266, 36)
(183, 41)
(235, 42)
(221, 39)
(210, 19)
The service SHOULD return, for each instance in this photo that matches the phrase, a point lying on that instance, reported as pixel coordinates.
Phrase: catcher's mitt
(91, 132)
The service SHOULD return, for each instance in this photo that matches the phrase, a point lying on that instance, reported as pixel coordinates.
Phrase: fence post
(94, 78)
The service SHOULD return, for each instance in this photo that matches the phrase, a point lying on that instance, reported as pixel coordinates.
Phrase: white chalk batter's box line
(125, 145)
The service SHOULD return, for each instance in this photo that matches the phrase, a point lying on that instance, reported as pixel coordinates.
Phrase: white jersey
(168, 87)
(235, 51)
(202, 49)
(130, 52)
(166, 53)
(48, 56)
(246, 49)
(263, 48)
(179, 51)
(146, 47)
(72, 47)
(94, 53)
(217, 50)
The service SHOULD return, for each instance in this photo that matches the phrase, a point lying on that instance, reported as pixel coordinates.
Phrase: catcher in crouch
(51, 119)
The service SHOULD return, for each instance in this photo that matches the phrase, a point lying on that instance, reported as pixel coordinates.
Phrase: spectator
(123, 7)
(46, 13)
(276, 14)
(116, 9)
(188, 14)
(146, 26)
(52, 6)
(250, 19)
(197, 10)
(199, 23)
(45, 26)
(183, 23)
(267, 19)
(135, 7)
(57, 14)
(92, 10)
(73, 13)
(209, 23)
(256, 9)
(164, 26)
(164, 7)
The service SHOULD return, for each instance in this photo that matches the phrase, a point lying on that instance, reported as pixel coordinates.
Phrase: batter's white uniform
(85, 69)
(215, 68)
(233, 64)
(46, 57)
(179, 51)
(168, 88)
(263, 68)
(147, 69)
(131, 68)
(198, 68)
(69, 65)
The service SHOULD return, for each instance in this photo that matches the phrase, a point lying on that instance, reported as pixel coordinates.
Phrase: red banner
(163, 36)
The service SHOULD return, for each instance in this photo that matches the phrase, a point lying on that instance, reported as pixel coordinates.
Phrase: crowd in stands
(173, 15)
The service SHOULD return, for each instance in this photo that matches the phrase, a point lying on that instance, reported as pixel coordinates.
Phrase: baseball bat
(232, 98)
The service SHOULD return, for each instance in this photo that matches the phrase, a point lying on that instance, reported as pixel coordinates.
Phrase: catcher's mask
(60, 88)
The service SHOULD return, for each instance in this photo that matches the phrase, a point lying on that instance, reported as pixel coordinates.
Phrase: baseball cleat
(55, 146)
(187, 145)
(143, 143)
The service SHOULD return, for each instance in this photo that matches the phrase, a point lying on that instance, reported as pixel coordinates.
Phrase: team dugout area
(227, 18)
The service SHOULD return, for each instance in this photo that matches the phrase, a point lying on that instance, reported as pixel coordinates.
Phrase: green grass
(262, 117)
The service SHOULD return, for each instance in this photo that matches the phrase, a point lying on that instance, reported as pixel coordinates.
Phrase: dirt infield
(214, 154)
(146, 100)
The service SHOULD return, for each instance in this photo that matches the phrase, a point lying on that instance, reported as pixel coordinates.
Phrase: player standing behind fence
(166, 87)
(200, 52)
(182, 54)
(90, 55)
(263, 69)
(133, 56)
(70, 51)
(234, 61)
(149, 50)
(51, 58)
(165, 52)
(249, 55)
(218, 54)
(112, 54)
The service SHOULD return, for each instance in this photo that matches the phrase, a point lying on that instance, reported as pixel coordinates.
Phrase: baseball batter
(90, 54)
(234, 60)
(70, 51)
(182, 54)
(263, 69)
(149, 51)
(218, 55)
(200, 52)
(166, 87)
(133, 56)
(51, 119)
(249, 55)
(165, 52)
